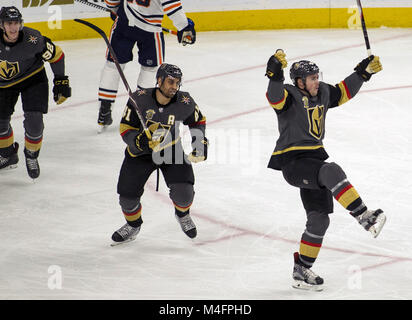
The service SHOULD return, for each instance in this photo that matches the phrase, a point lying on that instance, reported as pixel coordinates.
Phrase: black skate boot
(305, 278)
(10, 161)
(372, 221)
(125, 234)
(105, 115)
(187, 225)
(32, 165)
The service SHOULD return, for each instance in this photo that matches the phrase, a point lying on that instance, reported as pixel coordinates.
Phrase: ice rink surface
(55, 233)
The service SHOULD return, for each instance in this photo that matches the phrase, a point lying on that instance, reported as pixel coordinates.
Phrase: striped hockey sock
(134, 216)
(181, 211)
(310, 245)
(33, 144)
(348, 197)
(6, 142)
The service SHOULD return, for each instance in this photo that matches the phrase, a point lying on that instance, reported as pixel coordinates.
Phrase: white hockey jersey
(148, 14)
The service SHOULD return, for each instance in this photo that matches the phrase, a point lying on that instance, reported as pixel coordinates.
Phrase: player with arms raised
(299, 153)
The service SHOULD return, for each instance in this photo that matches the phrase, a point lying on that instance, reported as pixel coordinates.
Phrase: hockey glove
(142, 144)
(368, 66)
(199, 152)
(188, 34)
(275, 66)
(61, 89)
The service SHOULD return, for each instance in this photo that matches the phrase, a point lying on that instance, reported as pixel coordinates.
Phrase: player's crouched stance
(162, 108)
(22, 54)
(299, 153)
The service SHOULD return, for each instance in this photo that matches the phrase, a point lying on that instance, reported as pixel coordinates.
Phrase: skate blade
(10, 167)
(377, 227)
(101, 128)
(302, 285)
(114, 244)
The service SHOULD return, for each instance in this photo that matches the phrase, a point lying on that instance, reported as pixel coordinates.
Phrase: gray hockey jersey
(24, 58)
(301, 117)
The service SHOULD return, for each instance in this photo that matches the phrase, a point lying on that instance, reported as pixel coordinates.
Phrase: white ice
(56, 232)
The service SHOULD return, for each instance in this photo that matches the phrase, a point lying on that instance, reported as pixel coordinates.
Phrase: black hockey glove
(142, 144)
(61, 89)
(199, 152)
(368, 66)
(188, 34)
(275, 66)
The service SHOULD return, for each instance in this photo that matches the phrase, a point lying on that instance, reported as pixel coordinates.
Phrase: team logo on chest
(8, 70)
(316, 118)
(160, 134)
(149, 114)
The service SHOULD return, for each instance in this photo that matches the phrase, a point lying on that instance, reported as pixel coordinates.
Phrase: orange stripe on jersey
(279, 104)
(112, 3)
(172, 7)
(153, 21)
(159, 49)
(107, 95)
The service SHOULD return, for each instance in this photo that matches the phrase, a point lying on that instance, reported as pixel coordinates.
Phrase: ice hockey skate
(125, 234)
(32, 165)
(372, 221)
(11, 161)
(305, 278)
(105, 116)
(187, 225)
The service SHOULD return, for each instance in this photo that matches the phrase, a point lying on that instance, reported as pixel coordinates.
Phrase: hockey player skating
(22, 54)
(163, 109)
(139, 23)
(301, 110)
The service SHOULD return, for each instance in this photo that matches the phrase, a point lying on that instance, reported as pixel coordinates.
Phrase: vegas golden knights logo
(161, 135)
(316, 118)
(8, 70)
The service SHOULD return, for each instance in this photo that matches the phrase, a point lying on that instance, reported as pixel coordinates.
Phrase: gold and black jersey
(24, 58)
(163, 121)
(301, 118)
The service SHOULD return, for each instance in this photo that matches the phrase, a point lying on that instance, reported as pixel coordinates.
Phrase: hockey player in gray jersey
(163, 109)
(299, 153)
(22, 54)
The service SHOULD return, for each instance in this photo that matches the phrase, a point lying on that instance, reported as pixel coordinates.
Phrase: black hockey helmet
(169, 70)
(302, 69)
(10, 14)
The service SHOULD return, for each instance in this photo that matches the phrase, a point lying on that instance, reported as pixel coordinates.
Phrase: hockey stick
(122, 76)
(365, 32)
(90, 4)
